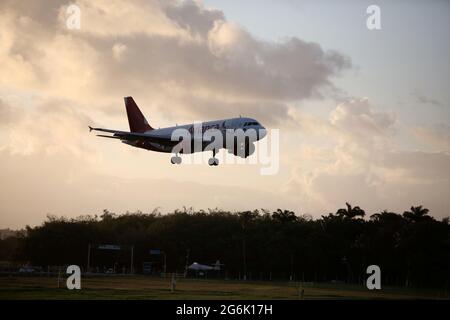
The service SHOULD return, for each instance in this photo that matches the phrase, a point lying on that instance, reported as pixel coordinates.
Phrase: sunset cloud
(366, 164)
(183, 61)
(156, 50)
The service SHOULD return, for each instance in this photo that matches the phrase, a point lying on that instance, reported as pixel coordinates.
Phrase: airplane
(142, 135)
(204, 267)
(200, 267)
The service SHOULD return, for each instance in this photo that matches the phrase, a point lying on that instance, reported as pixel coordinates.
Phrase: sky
(363, 115)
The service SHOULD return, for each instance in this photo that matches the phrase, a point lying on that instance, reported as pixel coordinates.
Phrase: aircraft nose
(262, 132)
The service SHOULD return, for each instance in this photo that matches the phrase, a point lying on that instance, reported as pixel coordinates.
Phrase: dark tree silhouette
(411, 249)
(417, 214)
(351, 212)
(284, 216)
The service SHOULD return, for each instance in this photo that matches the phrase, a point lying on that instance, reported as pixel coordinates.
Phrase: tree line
(412, 249)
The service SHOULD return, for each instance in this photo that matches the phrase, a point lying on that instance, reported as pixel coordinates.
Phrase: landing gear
(175, 160)
(213, 161)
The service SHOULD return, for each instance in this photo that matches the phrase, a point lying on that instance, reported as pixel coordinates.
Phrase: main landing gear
(213, 161)
(175, 159)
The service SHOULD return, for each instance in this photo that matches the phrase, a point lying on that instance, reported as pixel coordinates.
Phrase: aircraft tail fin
(136, 119)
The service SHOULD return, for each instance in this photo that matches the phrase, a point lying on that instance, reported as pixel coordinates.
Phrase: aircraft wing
(133, 136)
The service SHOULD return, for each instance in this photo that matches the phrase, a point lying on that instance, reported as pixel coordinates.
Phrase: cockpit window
(252, 123)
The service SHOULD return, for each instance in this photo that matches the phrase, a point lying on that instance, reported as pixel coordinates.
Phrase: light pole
(88, 258)
(187, 262)
(165, 263)
(292, 267)
(244, 253)
(132, 256)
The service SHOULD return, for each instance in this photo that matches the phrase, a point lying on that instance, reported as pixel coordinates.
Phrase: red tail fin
(136, 119)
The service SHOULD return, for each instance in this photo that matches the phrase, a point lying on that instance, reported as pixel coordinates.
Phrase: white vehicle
(204, 267)
(200, 267)
(110, 271)
(142, 135)
(26, 270)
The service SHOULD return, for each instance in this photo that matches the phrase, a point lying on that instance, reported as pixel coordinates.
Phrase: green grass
(140, 287)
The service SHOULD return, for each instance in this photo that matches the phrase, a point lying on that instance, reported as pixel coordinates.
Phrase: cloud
(361, 163)
(358, 119)
(191, 16)
(192, 107)
(49, 127)
(7, 114)
(427, 100)
(419, 166)
(59, 184)
(438, 137)
(182, 61)
(153, 50)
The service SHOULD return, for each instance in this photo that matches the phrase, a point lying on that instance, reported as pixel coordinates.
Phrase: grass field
(140, 287)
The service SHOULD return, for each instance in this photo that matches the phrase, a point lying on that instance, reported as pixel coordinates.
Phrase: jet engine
(243, 149)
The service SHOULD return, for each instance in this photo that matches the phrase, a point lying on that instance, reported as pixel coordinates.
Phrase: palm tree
(284, 216)
(386, 216)
(350, 212)
(417, 214)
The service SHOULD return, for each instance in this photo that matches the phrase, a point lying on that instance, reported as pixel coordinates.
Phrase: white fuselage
(222, 125)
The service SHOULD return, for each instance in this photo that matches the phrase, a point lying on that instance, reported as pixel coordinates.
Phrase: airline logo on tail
(136, 119)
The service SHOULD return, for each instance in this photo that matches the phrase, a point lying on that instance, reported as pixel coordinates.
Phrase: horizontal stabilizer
(105, 136)
(133, 136)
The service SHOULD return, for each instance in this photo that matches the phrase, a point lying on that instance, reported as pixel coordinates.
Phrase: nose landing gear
(175, 159)
(213, 161)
